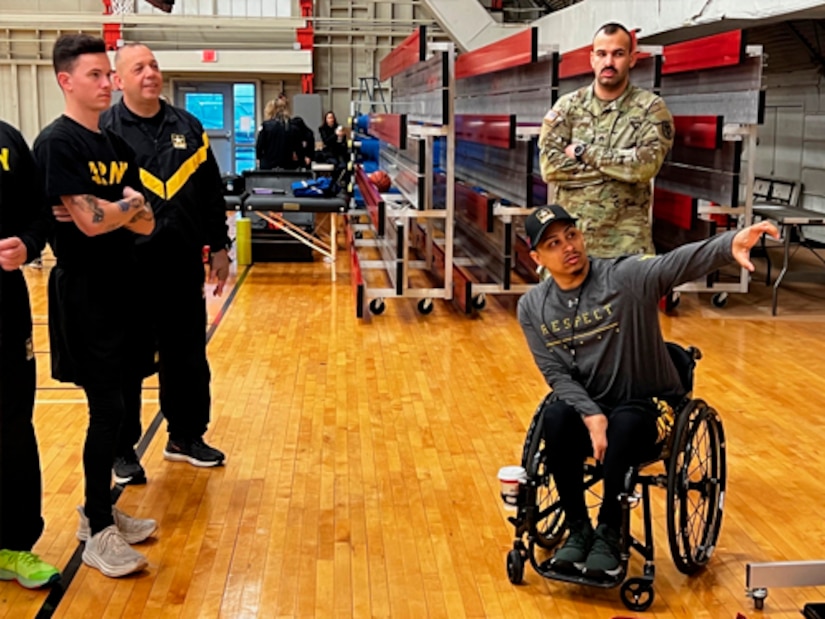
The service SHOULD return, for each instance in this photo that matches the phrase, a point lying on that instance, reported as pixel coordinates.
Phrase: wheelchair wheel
(696, 476)
(515, 567)
(548, 526)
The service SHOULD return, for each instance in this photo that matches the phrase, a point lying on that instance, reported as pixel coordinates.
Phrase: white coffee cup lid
(512, 473)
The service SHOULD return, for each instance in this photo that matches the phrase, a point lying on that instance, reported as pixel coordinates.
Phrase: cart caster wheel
(377, 306)
(515, 567)
(759, 596)
(720, 299)
(425, 306)
(637, 594)
(480, 301)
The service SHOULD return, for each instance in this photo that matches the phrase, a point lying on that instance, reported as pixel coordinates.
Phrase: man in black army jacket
(182, 179)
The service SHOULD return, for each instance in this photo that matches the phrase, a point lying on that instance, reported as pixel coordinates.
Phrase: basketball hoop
(123, 7)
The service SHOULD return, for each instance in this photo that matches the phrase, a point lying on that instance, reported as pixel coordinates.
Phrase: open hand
(219, 270)
(746, 238)
(597, 426)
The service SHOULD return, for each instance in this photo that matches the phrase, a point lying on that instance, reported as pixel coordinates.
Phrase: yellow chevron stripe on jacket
(168, 190)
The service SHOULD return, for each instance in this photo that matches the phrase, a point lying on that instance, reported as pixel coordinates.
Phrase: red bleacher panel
(411, 50)
(719, 50)
(676, 208)
(575, 62)
(497, 130)
(513, 51)
(525, 265)
(372, 200)
(476, 207)
(699, 131)
(391, 128)
(356, 277)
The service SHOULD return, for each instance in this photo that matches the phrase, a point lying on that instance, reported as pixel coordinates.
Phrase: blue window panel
(207, 108)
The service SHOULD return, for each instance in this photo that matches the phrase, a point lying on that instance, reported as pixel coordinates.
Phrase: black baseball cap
(537, 221)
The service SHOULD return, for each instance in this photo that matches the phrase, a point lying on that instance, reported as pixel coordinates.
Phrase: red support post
(306, 40)
(111, 32)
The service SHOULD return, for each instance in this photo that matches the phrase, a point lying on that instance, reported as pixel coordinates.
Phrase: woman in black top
(275, 146)
(304, 142)
(332, 136)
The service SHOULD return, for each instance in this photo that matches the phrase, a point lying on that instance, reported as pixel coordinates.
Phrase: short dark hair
(614, 27)
(68, 47)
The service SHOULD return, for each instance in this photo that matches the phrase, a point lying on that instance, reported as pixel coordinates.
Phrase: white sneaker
(109, 552)
(133, 530)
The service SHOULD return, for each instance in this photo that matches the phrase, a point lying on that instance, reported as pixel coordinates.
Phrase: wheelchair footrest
(546, 570)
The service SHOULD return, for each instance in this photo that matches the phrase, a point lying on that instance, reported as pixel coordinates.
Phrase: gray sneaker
(133, 530)
(604, 559)
(573, 553)
(108, 552)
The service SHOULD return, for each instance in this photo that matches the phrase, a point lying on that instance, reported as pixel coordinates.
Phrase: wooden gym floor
(362, 460)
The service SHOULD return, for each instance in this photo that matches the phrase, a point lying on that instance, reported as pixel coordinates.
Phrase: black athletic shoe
(604, 559)
(127, 470)
(573, 553)
(193, 451)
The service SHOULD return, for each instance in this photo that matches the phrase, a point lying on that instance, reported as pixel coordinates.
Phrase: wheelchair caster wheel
(515, 567)
(479, 301)
(637, 594)
(720, 299)
(425, 306)
(377, 306)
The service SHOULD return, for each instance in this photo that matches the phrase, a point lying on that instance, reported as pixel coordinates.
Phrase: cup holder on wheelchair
(694, 479)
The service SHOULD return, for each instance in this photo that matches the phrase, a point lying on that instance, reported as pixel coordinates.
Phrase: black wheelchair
(693, 454)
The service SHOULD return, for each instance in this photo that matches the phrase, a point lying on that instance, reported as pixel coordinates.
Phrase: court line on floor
(59, 589)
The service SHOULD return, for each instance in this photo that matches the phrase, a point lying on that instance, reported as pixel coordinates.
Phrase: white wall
(792, 140)
(31, 97)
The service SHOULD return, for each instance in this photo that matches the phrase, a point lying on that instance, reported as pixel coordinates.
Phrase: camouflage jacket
(627, 140)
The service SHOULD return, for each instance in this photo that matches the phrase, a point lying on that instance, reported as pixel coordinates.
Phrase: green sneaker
(573, 553)
(26, 568)
(604, 560)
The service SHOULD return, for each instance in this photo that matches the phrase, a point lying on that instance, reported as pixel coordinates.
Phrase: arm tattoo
(89, 203)
(124, 205)
(144, 213)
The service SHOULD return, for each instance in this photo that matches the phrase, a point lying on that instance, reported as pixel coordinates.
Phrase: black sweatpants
(21, 519)
(631, 440)
(109, 405)
(178, 314)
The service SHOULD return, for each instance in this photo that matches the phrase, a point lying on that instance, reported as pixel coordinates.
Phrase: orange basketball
(381, 180)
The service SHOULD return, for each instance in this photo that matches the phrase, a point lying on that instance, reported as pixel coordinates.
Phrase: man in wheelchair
(593, 330)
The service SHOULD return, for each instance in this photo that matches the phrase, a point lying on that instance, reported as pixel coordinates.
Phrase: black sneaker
(604, 560)
(193, 451)
(127, 470)
(573, 553)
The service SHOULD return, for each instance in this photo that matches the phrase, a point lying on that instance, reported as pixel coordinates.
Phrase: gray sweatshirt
(600, 345)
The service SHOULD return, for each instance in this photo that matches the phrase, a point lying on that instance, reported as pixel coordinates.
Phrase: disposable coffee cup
(510, 479)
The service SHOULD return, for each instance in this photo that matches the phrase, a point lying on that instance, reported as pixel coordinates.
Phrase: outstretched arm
(655, 276)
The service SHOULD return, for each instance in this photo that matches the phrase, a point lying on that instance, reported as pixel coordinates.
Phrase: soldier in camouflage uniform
(601, 145)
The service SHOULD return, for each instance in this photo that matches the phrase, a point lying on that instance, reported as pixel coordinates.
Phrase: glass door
(212, 104)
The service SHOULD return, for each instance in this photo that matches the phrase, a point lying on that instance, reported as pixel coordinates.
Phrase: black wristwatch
(578, 151)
